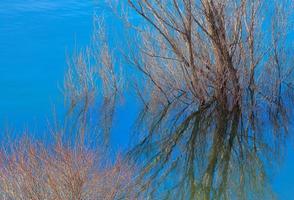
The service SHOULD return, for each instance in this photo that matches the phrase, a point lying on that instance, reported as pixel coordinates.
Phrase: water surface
(35, 36)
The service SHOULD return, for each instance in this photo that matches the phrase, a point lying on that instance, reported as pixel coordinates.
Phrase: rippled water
(34, 38)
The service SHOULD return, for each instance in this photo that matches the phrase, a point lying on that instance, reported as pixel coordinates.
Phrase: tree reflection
(216, 96)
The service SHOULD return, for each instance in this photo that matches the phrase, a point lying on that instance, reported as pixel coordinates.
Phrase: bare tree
(217, 95)
(30, 170)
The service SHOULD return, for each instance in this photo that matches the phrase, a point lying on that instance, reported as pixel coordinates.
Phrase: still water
(35, 37)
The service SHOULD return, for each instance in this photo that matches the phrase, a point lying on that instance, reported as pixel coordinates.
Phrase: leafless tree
(31, 170)
(217, 94)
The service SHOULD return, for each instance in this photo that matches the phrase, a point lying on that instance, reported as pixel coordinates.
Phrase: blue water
(35, 36)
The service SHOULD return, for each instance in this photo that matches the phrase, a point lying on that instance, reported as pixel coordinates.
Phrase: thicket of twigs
(32, 171)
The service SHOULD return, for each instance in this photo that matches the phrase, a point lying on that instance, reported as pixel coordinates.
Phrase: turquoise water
(35, 36)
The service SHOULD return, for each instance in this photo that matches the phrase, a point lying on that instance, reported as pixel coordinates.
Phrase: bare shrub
(30, 170)
(92, 88)
(74, 168)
